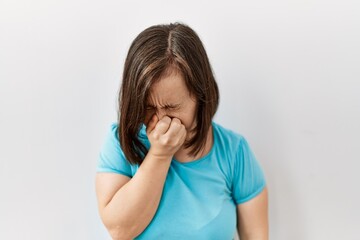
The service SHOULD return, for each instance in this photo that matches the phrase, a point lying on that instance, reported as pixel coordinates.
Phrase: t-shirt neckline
(203, 157)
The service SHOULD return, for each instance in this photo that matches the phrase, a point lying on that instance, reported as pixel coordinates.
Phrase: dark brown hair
(151, 54)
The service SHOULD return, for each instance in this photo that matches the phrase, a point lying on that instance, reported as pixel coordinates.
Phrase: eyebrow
(165, 106)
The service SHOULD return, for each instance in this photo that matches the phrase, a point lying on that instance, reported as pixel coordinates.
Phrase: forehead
(169, 88)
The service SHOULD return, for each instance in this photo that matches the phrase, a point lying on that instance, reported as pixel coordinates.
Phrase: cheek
(187, 119)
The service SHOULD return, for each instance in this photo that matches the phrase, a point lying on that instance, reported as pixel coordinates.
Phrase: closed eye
(172, 107)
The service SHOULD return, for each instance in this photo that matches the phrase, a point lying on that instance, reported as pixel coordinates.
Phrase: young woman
(166, 170)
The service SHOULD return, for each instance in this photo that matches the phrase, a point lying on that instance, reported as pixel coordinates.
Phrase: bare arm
(134, 205)
(126, 205)
(252, 218)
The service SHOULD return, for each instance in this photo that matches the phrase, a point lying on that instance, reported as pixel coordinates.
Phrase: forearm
(134, 205)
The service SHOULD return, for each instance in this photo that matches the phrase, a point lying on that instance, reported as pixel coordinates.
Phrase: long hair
(151, 54)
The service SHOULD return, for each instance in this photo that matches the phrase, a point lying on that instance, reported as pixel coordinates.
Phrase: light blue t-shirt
(199, 198)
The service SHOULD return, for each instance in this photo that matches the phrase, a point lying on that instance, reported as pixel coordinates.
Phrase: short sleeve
(111, 158)
(248, 178)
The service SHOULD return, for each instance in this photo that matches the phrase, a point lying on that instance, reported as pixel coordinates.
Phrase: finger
(175, 127)
(184, 135)
(152, 123)
(163, 125)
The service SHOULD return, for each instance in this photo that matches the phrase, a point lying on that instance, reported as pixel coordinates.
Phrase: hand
(166, 136)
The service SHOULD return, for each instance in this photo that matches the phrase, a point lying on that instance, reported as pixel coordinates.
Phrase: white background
(289, 77)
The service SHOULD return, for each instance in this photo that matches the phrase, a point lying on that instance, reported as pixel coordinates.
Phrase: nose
(160, 113)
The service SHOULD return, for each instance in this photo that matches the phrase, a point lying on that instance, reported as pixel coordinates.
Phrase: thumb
(151, 124)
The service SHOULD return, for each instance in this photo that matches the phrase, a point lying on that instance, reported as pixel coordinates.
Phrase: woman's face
(170, 96)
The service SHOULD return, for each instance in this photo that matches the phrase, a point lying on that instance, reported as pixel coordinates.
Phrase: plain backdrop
(289, 79)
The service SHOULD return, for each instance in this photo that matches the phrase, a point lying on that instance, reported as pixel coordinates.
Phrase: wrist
(159, 157)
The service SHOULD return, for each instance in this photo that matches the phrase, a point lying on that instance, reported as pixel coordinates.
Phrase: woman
(166, 170)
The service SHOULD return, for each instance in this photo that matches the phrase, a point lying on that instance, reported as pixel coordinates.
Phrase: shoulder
(227, 138)
(228, 148)
(114, 126)
(114, 134)
(112, 143)
(232, 146)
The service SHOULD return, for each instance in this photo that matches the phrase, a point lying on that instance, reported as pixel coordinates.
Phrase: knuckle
(162, 123)
(167, 119)
(155, 135)
(176, 120)
(183, 128)
(165, 141)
